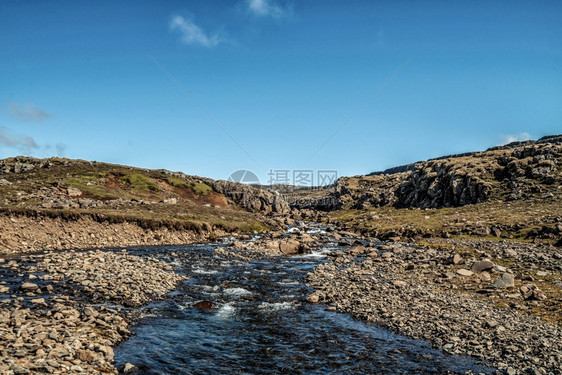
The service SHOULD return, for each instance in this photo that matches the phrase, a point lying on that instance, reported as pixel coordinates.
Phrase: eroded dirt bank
(22, 234)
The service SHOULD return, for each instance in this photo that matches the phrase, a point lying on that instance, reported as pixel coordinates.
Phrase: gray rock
(19, 370)
(505, 281)
(499, 268)
(454, 259)
(289, 247)
(73, 192)
(509, 253)
(128, 368)
(205, 305)
(483, 265)
(313, 298)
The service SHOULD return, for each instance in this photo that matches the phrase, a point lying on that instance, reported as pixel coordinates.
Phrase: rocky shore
(463, 301)
(274, 244)
(64, 312)
(499, 301)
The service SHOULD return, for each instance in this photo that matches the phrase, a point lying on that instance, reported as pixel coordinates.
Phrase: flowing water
(262, 324)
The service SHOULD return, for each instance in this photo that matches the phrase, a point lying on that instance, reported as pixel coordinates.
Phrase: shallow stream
(263, 324)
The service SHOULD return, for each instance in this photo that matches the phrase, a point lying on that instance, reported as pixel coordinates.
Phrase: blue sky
(99, 81)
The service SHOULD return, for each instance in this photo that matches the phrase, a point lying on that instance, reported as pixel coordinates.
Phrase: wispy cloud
(266, 8)
(17, 142)
(26, 144)
(28, 112)
(192, 34)
(60, 148)
(516, 138)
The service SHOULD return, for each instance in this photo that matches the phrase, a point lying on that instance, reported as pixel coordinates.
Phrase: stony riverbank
(54, 314)
(297, 242)
(458, 298)
(63, 312)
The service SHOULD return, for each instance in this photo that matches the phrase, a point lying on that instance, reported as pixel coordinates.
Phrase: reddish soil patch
(212, 198)
(113, 182)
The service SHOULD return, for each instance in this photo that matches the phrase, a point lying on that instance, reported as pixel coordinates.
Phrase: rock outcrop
(516, 171)
(251, 198)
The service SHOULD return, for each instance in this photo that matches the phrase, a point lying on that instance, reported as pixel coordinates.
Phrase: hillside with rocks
(57, 183)
(506, 191)
(510, 191)
(515, 171)
(94, 201)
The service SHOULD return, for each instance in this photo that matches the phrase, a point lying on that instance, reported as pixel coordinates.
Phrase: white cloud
(265, 8)
(28, 112)
(516, 138)
(191, 33)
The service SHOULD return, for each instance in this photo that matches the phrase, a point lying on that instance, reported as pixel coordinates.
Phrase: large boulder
(291, 247)
(505, 281)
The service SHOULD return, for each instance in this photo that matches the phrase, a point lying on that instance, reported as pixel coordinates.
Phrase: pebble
(483, 265)
(313, 298)
(29, 286)
(129, 368)
(464, 272)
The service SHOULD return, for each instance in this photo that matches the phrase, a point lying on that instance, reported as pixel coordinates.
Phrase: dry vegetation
(520, 220)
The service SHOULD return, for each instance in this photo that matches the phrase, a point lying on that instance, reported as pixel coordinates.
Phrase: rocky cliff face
(442, 184)
(516, 171)
(251, 198)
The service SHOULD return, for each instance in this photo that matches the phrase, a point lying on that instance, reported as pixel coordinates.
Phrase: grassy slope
(515, 220)
(132, 193)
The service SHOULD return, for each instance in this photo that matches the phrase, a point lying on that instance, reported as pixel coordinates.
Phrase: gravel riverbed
(59, 314)
(418, 292)
(64, 312)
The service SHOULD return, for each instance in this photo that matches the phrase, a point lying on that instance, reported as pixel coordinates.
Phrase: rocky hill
(509, 191)
(57, 183)
(74, 191)
(515, 189)
(515, 171)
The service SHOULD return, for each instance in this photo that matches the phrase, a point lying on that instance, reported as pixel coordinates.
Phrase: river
(263, 324)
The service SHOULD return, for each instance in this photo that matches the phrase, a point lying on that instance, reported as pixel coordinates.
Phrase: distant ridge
(411, 166)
